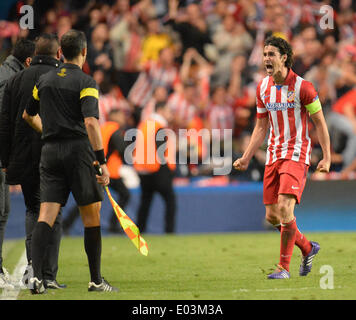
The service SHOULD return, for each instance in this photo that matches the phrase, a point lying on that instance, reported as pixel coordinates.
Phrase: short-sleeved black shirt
(63, 98)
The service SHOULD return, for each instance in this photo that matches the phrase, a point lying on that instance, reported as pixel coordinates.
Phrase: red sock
(303, 243)
(300, 241)
(288, 235)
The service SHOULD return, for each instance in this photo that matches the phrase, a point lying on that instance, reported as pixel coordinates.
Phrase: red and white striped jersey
(148, 109)
(220, 117)
(154, 75)
(109, 102)
(183, 111)
(287, 108)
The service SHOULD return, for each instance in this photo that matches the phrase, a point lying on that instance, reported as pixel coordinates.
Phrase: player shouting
(285, 102)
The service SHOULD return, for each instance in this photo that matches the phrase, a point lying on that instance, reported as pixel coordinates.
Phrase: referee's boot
(104, 286)
(36, 286)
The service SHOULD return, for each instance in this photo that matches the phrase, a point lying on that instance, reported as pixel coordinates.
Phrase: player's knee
(272, 218)
(272, 214)
(285, 208)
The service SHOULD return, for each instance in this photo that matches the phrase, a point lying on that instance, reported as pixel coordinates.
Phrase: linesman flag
(126, 223)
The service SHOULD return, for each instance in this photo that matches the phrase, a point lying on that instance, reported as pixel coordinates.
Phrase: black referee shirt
(63, 98)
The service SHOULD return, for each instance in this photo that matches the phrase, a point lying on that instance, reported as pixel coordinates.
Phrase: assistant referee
(65, 107)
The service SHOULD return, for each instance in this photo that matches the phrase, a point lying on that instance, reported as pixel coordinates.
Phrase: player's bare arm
(257, 138)
(324, 140)
(34, 121)
(94, 135)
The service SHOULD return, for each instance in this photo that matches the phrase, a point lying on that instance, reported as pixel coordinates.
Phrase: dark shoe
(103, 286)
(279, 273)
(36, 286)
(307, 261)
(53, 284)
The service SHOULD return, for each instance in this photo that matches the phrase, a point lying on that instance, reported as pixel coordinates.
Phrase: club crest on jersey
(265, 98)
(290, 96)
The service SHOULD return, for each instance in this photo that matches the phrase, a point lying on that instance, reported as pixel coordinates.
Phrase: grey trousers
(31, 193)
(4, 210)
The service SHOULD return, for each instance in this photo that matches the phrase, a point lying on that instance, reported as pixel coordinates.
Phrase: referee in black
(65, 108)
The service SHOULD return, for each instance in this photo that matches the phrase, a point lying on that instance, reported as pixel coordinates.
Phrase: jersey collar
(71, 66)
(44, 59)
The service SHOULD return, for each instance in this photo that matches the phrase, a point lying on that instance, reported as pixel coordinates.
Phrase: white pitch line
(11, 294)
(280, 289)
(285, 289)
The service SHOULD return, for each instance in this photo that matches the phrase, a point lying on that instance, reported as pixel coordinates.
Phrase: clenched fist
(241, 164)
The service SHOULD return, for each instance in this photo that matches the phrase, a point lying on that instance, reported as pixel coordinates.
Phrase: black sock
(40, 238)
(30, 223)
(92, 244)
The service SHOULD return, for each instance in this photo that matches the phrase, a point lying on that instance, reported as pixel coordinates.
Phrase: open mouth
(269, 67)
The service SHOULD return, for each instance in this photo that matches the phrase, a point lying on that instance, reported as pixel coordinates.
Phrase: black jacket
(20, 145)
(9, 67)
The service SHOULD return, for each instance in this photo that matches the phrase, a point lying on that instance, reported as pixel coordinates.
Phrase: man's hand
(34, 121)
(323, 166)
(104, 179)
(241, 164)
(15, 188)
(173, 8)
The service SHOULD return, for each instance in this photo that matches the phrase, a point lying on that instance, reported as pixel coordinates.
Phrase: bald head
(47, 44)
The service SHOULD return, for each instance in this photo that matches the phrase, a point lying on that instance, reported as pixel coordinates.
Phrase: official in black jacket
(20, 147)
(20, 58)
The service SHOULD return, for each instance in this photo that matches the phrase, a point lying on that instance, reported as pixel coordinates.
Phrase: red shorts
(284, 177)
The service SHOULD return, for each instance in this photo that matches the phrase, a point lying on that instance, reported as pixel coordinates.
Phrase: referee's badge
(290, 96)
(62, 73)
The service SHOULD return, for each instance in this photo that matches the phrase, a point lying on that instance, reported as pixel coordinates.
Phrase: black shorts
(65, 167)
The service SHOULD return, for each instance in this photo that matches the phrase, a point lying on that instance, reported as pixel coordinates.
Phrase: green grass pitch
(229, 266)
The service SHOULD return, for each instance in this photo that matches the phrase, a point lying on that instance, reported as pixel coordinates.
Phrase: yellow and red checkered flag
(126, 223)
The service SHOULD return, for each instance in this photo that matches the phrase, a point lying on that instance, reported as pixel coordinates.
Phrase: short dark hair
(23, 49)
(47, 44)
(72, 43)
(283, 47)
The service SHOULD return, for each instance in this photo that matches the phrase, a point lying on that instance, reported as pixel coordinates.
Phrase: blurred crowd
(204, 59)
